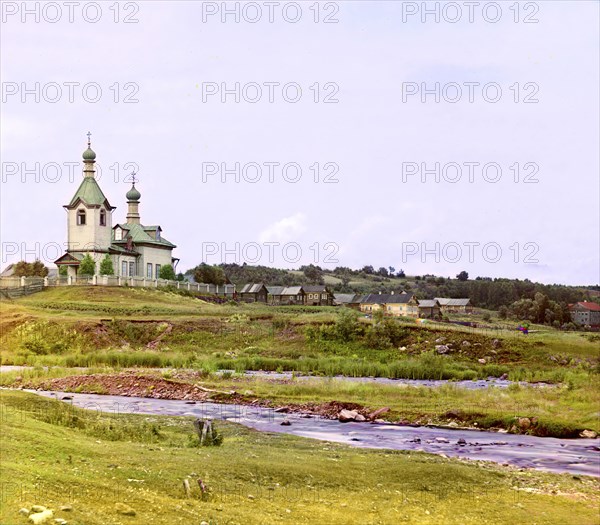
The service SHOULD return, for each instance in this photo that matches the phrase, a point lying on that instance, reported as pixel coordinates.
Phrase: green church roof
(90, 193)
(139, 235)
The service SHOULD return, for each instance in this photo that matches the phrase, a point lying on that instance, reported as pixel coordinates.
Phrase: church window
(118, 234)
(81, 217)
(124, 269)
(157, 271)
(102, 218)
(131, 268)
(149, 270)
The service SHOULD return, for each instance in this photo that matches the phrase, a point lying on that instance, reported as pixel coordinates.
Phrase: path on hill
(573, 456)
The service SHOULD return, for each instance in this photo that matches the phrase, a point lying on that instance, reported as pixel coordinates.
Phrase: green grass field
(58, 456)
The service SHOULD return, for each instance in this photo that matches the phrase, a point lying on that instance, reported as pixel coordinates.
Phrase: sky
(433, 137)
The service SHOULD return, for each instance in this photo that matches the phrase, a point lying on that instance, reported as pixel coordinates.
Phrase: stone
(482, 361)
(441, 440)
(379, 421)
(403, 348)
(60, 521)
(66, 508)
(347, 415)
(41, 517)
(125, 510)
(286, 423)
(524, 423)
(24, 512)
(378, 412)
(496, 343)
(453, 424)
(67, 398)
(442, 349)
(504, 377)
(588, 434)
(440, 339)
(465, 343)
(38, 508)
(282, 410)
(360, 417)
(462, 442)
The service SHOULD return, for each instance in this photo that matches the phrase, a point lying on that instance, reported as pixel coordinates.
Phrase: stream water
(574, 456)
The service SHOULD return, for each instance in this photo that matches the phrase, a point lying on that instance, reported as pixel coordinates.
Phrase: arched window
(102, 218)
(81, 217)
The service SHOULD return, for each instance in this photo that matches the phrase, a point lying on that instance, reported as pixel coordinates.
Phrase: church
(135, 250)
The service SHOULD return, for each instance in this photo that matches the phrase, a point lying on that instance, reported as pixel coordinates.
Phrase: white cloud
(285, 230)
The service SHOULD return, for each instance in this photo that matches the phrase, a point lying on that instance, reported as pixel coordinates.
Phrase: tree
(34, 269)
(87, 266)
(166, 272)
(106, 266)
(204, 273)
(462, 276)
(383, 271)
(180, 277)
(401, 274)
(502, 312)
(62, 271)
(369, 270)
(392, 270)
(312, 273)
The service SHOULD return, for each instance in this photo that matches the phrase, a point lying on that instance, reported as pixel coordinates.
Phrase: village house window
(102, 218)
(149, 270)
(324, 296)
(131, 268)
(157, 270)
(81, 217)
(124, 269)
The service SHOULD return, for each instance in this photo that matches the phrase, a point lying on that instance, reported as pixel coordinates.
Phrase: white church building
(135, 250)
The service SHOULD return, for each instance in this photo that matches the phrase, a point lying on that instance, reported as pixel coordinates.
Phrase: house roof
(292, 290)
(275, 290)
(428, 303)
(70, 258)
(139, 235)
(252, 288)
(595, 307)
(90, 193)
(343, 298)
(315, 288)
(387, 298)
(445, 301)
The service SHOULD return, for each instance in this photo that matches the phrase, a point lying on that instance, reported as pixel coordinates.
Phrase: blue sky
(370, 211)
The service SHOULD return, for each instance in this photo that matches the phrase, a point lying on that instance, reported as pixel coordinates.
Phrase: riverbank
(517, 409)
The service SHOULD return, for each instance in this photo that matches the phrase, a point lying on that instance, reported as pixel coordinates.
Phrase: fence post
(45, 282)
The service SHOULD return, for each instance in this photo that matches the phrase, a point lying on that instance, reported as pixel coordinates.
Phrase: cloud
(285, 230)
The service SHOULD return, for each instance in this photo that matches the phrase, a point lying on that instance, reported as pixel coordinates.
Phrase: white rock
(41, 517)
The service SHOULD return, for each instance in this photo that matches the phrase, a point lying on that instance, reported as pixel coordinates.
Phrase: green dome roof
(133, 194)
(89, 154)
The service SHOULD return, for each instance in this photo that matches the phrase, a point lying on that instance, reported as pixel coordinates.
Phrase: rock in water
(360, 417)
(286, 423)
(347, 415)
(589, 434)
